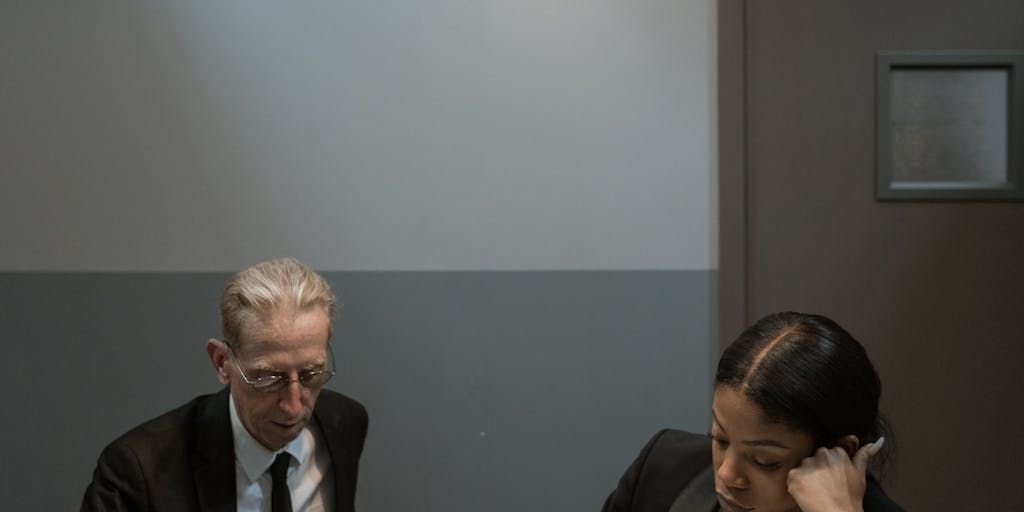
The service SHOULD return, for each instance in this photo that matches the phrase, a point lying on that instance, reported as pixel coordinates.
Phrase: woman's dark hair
(808, 373)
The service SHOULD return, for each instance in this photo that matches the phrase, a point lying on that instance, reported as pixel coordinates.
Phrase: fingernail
(877, 445)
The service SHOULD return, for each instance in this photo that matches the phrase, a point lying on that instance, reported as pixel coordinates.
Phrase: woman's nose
(729, 473)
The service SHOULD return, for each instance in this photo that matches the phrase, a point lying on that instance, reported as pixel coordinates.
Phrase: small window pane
(949, 125)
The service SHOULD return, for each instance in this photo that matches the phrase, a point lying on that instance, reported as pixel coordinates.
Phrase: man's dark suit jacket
(184, 460)
(673, 459)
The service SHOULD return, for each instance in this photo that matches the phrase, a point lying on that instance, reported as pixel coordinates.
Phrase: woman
(794, 423)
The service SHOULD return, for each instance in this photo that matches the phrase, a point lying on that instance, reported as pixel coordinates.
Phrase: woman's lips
(731, 505)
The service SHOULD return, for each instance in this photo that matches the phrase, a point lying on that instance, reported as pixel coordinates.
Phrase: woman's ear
(850, 444)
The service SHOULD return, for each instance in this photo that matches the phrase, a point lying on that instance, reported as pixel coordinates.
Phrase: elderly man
(273, 439)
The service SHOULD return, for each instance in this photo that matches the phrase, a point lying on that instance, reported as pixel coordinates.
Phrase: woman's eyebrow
(714, 419)
(764, 442)
(754, 442)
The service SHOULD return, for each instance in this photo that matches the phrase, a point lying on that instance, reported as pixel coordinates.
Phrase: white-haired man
(273, 439)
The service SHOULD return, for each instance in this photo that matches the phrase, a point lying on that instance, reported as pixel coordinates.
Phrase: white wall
(465, 135)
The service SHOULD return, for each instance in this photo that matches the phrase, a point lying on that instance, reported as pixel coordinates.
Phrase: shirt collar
(255, 458)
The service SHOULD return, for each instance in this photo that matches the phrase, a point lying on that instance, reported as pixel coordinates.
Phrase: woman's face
(751, 455)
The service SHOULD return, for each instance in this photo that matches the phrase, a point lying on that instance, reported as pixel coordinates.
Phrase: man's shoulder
(173, 428)
(154, 461)
(333, 408)
(334, 399)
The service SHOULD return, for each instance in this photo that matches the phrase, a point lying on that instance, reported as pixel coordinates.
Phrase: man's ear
(218, 353)
(850, 444)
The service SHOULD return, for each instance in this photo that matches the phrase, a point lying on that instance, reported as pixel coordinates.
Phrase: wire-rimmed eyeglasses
(277, 382)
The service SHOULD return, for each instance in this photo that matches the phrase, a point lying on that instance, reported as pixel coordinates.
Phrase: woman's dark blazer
(671, 461)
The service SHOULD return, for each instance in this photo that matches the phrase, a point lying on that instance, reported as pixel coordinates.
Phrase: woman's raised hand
(830, 481)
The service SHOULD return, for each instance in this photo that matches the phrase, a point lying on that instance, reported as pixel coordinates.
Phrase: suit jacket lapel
(330, 421)
(698, 495)
(214, 470)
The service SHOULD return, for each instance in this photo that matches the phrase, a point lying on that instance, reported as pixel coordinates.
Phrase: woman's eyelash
(764, 466)
(767, 466)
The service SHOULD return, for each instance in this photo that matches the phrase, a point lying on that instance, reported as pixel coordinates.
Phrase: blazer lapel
(330, 421)
(214, 471)
(698, 495)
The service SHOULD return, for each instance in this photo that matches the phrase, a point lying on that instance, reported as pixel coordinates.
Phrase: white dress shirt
(309, 475)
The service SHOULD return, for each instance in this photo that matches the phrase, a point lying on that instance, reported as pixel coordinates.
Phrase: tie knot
(279, 469)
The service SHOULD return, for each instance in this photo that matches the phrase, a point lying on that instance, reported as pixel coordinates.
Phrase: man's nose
(290, 400)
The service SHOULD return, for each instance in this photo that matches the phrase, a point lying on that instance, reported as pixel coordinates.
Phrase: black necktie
(280, 498)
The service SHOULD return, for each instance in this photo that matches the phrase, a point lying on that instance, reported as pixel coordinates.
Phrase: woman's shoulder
(680, 443)
(875, 499)
(676, 453)
(666, 464)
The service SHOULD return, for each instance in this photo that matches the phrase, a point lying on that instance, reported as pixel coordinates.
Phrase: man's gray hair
(280, 283)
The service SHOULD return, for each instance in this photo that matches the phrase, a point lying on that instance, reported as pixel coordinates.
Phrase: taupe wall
(931, 288)
(514, 200)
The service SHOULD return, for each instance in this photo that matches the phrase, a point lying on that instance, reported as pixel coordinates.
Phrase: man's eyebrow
(262, 366)
(315, 365)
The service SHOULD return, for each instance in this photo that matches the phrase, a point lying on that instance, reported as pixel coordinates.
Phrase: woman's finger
(864, 454)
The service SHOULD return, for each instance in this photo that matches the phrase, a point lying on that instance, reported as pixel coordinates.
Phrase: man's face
(283, 342)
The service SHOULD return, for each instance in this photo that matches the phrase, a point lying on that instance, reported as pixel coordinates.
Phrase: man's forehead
(285, 331)
(275, 353)
(281, 318)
